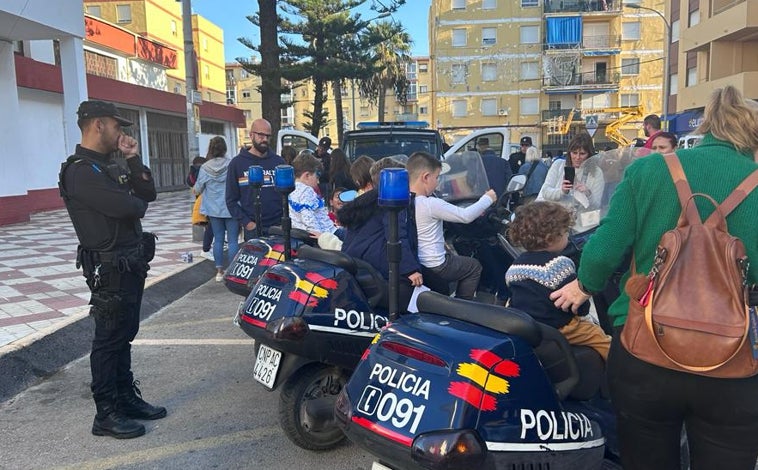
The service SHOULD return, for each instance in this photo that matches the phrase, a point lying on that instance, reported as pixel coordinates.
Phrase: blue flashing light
(255, 175)
(393, 188)
(284, 178)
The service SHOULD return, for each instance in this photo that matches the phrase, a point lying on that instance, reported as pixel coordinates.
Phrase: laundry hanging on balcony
(564, 32)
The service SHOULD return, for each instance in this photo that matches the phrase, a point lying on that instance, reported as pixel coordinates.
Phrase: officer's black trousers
(111, 357)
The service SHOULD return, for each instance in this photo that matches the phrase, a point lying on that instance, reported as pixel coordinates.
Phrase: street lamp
(190, 62)
(666, 75)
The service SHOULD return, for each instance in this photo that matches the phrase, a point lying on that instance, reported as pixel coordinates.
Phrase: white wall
(64, 16)
(40, 118)
(147, 75)
(41, 51)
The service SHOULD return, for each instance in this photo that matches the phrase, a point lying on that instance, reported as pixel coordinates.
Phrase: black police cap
(96, 108)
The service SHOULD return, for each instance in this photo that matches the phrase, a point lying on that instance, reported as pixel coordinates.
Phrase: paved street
(192, 359)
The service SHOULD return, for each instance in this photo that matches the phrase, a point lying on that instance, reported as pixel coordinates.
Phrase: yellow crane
(613, 129)
(561, 125)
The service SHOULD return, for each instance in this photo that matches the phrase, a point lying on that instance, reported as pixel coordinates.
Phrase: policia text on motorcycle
(106, 199)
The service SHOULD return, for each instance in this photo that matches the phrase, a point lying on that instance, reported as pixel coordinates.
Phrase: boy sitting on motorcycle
(542, 228)
(368, 230)
(307, 207)
(423, 174)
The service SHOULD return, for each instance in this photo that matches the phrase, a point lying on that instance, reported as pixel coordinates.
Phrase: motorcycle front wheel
(306, 407)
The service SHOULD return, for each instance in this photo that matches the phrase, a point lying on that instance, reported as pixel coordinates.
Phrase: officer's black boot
(109, 422)
(129, 403)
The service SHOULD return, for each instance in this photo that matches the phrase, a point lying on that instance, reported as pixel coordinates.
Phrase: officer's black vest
(95, 230)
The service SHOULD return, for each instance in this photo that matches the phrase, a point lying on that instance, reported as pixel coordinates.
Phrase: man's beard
(261, 147)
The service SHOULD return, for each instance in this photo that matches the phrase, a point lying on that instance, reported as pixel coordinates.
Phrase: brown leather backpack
(690, 312)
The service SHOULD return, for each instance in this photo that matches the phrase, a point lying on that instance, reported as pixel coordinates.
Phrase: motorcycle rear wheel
(306, 407)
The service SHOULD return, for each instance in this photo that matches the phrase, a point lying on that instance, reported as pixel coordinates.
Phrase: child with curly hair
(542, 228)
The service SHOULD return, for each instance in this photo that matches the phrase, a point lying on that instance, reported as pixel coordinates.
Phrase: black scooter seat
(295, 233)
(505, 320)
(335, 258)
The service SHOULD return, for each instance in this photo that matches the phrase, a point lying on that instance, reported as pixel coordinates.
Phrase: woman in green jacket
(652, 403)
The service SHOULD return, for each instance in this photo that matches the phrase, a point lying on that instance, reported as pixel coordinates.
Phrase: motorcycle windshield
(595, 182)
(463, 177)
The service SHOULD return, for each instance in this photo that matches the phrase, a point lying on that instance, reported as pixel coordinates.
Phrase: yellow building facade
(532, 65)
(713, 44)
(242, 92)
(161, 21)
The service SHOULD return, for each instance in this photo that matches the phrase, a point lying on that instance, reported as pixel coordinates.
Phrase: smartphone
(568, 173)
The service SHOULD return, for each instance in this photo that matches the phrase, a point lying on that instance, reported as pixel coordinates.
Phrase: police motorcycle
(311, 319)
(464, 385)
(256, 255)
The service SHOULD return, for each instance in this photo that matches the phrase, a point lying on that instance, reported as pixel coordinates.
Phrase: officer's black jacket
(104, 201)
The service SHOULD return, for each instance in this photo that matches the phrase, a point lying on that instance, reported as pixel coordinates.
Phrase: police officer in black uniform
(106, 202)
(516, 159)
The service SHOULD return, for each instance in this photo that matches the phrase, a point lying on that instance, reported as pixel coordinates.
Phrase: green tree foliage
(392, 53)
(318, 40)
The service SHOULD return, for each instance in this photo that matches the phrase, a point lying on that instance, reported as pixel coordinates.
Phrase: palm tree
(392, 54)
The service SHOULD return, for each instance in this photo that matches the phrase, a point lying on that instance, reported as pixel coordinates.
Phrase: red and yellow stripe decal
(486, 377)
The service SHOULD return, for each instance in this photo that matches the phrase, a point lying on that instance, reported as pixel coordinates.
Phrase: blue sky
(230, 15)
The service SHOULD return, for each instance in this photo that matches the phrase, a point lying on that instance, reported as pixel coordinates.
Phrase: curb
(27, 364)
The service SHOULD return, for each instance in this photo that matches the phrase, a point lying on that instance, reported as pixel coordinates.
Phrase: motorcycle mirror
(516, 183)
(347, 196)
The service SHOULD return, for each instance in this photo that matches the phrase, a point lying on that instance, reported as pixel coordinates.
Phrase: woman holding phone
(576, 180)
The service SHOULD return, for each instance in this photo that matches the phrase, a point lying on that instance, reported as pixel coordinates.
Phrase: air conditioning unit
(502, 112)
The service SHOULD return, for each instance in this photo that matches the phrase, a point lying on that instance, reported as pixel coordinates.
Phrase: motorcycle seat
(295, 233)
(576, 371)
(505, 320)
(335, 258)
(372, 283)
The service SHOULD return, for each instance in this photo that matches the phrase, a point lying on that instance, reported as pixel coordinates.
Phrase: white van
(688, 141)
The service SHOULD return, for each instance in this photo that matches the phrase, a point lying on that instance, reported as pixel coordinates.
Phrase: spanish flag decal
(313, 288)
(274, 255)
(486, 377)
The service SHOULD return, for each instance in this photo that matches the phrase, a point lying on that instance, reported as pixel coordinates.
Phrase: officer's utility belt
(95, 263)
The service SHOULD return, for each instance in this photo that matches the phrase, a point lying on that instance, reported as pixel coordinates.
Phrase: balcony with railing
(549, 114)
(607, 44)
(597, 7)
(566, 81)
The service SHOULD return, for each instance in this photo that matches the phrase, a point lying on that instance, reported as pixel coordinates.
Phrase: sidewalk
(42, 292)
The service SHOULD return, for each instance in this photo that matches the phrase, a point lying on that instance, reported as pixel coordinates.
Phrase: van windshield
(387, 145)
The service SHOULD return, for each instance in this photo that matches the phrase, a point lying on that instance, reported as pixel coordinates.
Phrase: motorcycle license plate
(378, 466)
(266, 365)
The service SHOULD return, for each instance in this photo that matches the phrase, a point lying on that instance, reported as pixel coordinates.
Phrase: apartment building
(541, 67)
(713, 44)
(242, 92)
(161, 22)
